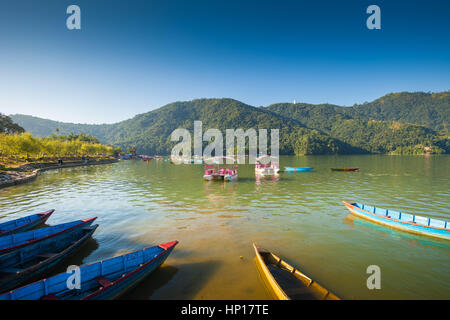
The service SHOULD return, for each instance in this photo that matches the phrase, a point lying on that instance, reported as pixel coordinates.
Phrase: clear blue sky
(134, 56)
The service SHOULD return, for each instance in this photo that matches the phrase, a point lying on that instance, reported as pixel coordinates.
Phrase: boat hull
(24, 240)
(65, 248)
(106, 279)
(290, 283)
(216, 177)
(298, 169)
(25, 223)
(344, 169)
(266, 171)
(275, 290)
(231, 178)
(401, 221)
(131, 281)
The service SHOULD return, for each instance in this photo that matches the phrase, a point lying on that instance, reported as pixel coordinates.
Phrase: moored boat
(18, 267)
(401, 221)
(344, 169)
(286, 282)
(20, 241)
(231, 174)
(218, 172)
(211, 174)
(25, 223)
(298, 169)
(106, 279)
(266, 169)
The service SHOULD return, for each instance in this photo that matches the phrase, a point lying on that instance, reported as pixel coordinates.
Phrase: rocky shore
(29, 172)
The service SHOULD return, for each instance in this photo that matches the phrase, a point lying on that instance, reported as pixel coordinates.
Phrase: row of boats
(231, 174)
(27, 253)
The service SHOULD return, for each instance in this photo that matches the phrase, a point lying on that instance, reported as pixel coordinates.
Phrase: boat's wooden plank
(104, 282)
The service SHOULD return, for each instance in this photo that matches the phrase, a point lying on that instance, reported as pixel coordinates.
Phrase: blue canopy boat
(25, 223)
(298, 169)
(106, 279)
(19, 267)
(20, 241)
(402, 221)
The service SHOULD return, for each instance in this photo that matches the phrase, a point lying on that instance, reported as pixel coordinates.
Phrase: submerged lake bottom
(298, 216)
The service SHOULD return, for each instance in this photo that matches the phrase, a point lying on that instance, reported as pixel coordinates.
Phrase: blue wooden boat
(401, 221)
(25, 223)
(298, 169)
(19, 267)
(19, 241)
(106, 279)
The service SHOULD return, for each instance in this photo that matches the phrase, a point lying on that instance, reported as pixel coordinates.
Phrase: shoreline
(12, 178)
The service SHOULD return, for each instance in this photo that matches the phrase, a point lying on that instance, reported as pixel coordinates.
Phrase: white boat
(267, 169)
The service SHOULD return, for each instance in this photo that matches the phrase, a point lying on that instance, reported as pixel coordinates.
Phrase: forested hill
(387, 125)
(150, 132)
(431, 110)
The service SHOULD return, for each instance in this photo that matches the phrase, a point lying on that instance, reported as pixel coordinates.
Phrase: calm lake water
(299, 216)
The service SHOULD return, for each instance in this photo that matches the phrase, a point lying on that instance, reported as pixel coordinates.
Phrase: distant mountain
(395, 123)
(43, 127)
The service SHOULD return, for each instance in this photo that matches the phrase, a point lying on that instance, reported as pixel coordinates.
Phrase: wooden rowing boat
(287, 283)
(25, 223)
(298, 169)
(401, 221)
(344, 169)
(19, 267)
(23, 240)
(106, 279)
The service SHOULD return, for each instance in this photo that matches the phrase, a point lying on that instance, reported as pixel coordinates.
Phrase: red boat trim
(347, 204)
(50, 235)
(44, 216)
(102, 289)
(168, 245)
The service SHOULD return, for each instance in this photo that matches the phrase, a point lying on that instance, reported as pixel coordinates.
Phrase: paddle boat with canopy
(231, 174)
(219, 171)
(267, 169)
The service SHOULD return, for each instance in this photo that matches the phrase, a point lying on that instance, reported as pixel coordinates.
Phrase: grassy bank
(18, 151)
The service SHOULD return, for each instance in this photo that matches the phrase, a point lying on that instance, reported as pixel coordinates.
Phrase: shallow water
(299, 216)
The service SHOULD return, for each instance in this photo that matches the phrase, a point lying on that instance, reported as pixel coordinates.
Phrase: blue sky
(134, 56)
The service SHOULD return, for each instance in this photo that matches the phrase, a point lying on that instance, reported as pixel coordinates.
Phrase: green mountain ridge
(386, 125)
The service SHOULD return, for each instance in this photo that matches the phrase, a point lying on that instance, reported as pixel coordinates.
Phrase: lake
(299, 216)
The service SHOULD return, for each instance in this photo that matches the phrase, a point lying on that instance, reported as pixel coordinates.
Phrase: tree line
(26, 146)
